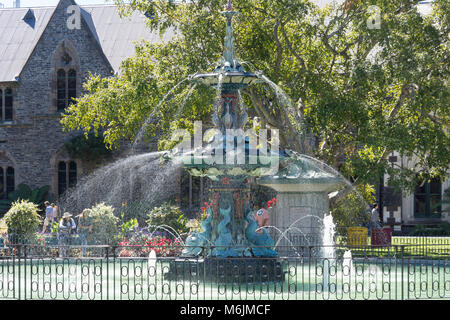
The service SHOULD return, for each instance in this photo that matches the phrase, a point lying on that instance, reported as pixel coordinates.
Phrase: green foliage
(170, 215)
(443, 229)
(23, 218)
(88, 147)
(104, 224)
(261, 194)
(126, 228)
(24, 192)
(352, 208)
(362, 92)
(54, 228)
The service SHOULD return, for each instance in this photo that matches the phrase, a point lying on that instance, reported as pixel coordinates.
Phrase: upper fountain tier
(229, 73)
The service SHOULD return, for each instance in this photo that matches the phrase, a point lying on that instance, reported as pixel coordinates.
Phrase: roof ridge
(46, 7)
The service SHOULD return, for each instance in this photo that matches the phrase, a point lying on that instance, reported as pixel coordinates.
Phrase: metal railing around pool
(132, 273)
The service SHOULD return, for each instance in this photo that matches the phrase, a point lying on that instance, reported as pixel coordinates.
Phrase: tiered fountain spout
(229, 230)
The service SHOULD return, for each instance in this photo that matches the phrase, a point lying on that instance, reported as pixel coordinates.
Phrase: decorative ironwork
(35, 272)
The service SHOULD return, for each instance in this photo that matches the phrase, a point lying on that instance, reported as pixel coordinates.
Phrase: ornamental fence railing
(73, 272)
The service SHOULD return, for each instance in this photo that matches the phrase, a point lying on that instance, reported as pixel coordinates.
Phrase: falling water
(183, 104)
(136, 178)
(328, 249)
(150, 118)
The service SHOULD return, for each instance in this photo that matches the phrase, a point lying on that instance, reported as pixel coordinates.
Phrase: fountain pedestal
(302, 188)
(227, 270)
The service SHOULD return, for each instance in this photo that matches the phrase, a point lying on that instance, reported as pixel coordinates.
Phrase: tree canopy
(362, 91)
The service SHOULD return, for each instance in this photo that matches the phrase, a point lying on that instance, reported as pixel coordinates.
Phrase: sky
(39, 3)
(42, 3)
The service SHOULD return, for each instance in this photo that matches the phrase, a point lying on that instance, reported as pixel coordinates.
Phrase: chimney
(16, 3)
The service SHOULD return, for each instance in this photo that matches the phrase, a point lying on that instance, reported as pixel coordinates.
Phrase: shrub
(127, 228)
(104, 224)
(23, 219)
(169, 215)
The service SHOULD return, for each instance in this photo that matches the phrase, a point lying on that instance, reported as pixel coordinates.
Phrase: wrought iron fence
(132, 273)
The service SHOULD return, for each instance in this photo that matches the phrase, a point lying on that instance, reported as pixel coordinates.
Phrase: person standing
(55, 212)
(66, 227)
(48, 216)
(84, 228)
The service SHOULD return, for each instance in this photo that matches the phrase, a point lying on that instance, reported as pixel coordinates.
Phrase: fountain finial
(230, 6)
(229, 53)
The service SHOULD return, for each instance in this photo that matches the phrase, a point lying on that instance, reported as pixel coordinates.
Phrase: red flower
(226, 180)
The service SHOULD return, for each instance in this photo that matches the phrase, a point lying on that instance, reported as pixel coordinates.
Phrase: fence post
(19, 280)
(403, 270)
(107, 273)
(25, 272)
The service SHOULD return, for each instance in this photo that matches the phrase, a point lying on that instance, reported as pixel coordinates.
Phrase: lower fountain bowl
(226, 270)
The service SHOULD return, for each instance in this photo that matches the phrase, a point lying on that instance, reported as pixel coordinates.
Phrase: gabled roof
(116, 36)
(18, 38)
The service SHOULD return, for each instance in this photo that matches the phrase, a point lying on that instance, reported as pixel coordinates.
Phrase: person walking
(66, 227)
(84, 228)
(375, 222)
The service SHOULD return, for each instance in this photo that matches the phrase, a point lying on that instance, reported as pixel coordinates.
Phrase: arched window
(66, 86)
(10, 183)
(72, 174)
(61, 87)
(67, 175)
(7, 181)
(62, 178)
(71, 85)
(6, 104)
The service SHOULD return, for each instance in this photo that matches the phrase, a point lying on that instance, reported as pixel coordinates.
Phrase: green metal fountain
(229, 230)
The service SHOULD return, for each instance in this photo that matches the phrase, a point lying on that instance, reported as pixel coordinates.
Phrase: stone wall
(35, 138)
(300, 216)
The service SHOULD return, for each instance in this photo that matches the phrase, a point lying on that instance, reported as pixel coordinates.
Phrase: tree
(363, 92)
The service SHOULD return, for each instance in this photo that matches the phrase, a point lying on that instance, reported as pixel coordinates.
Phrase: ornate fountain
(230, 230)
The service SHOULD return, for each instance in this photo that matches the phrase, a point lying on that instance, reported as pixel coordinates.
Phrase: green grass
(428, 247)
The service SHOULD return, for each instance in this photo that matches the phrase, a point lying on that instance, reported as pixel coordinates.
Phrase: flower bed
(142, 245)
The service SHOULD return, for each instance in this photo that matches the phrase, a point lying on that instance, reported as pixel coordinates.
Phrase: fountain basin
(229, 270)
(229, 80)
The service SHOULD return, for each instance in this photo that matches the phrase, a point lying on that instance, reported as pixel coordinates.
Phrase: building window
(6, 104)
(67, 175)
(66, 86)
(7, 182)
(427, 198)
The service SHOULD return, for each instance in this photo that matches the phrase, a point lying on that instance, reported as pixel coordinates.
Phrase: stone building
(46, 53)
